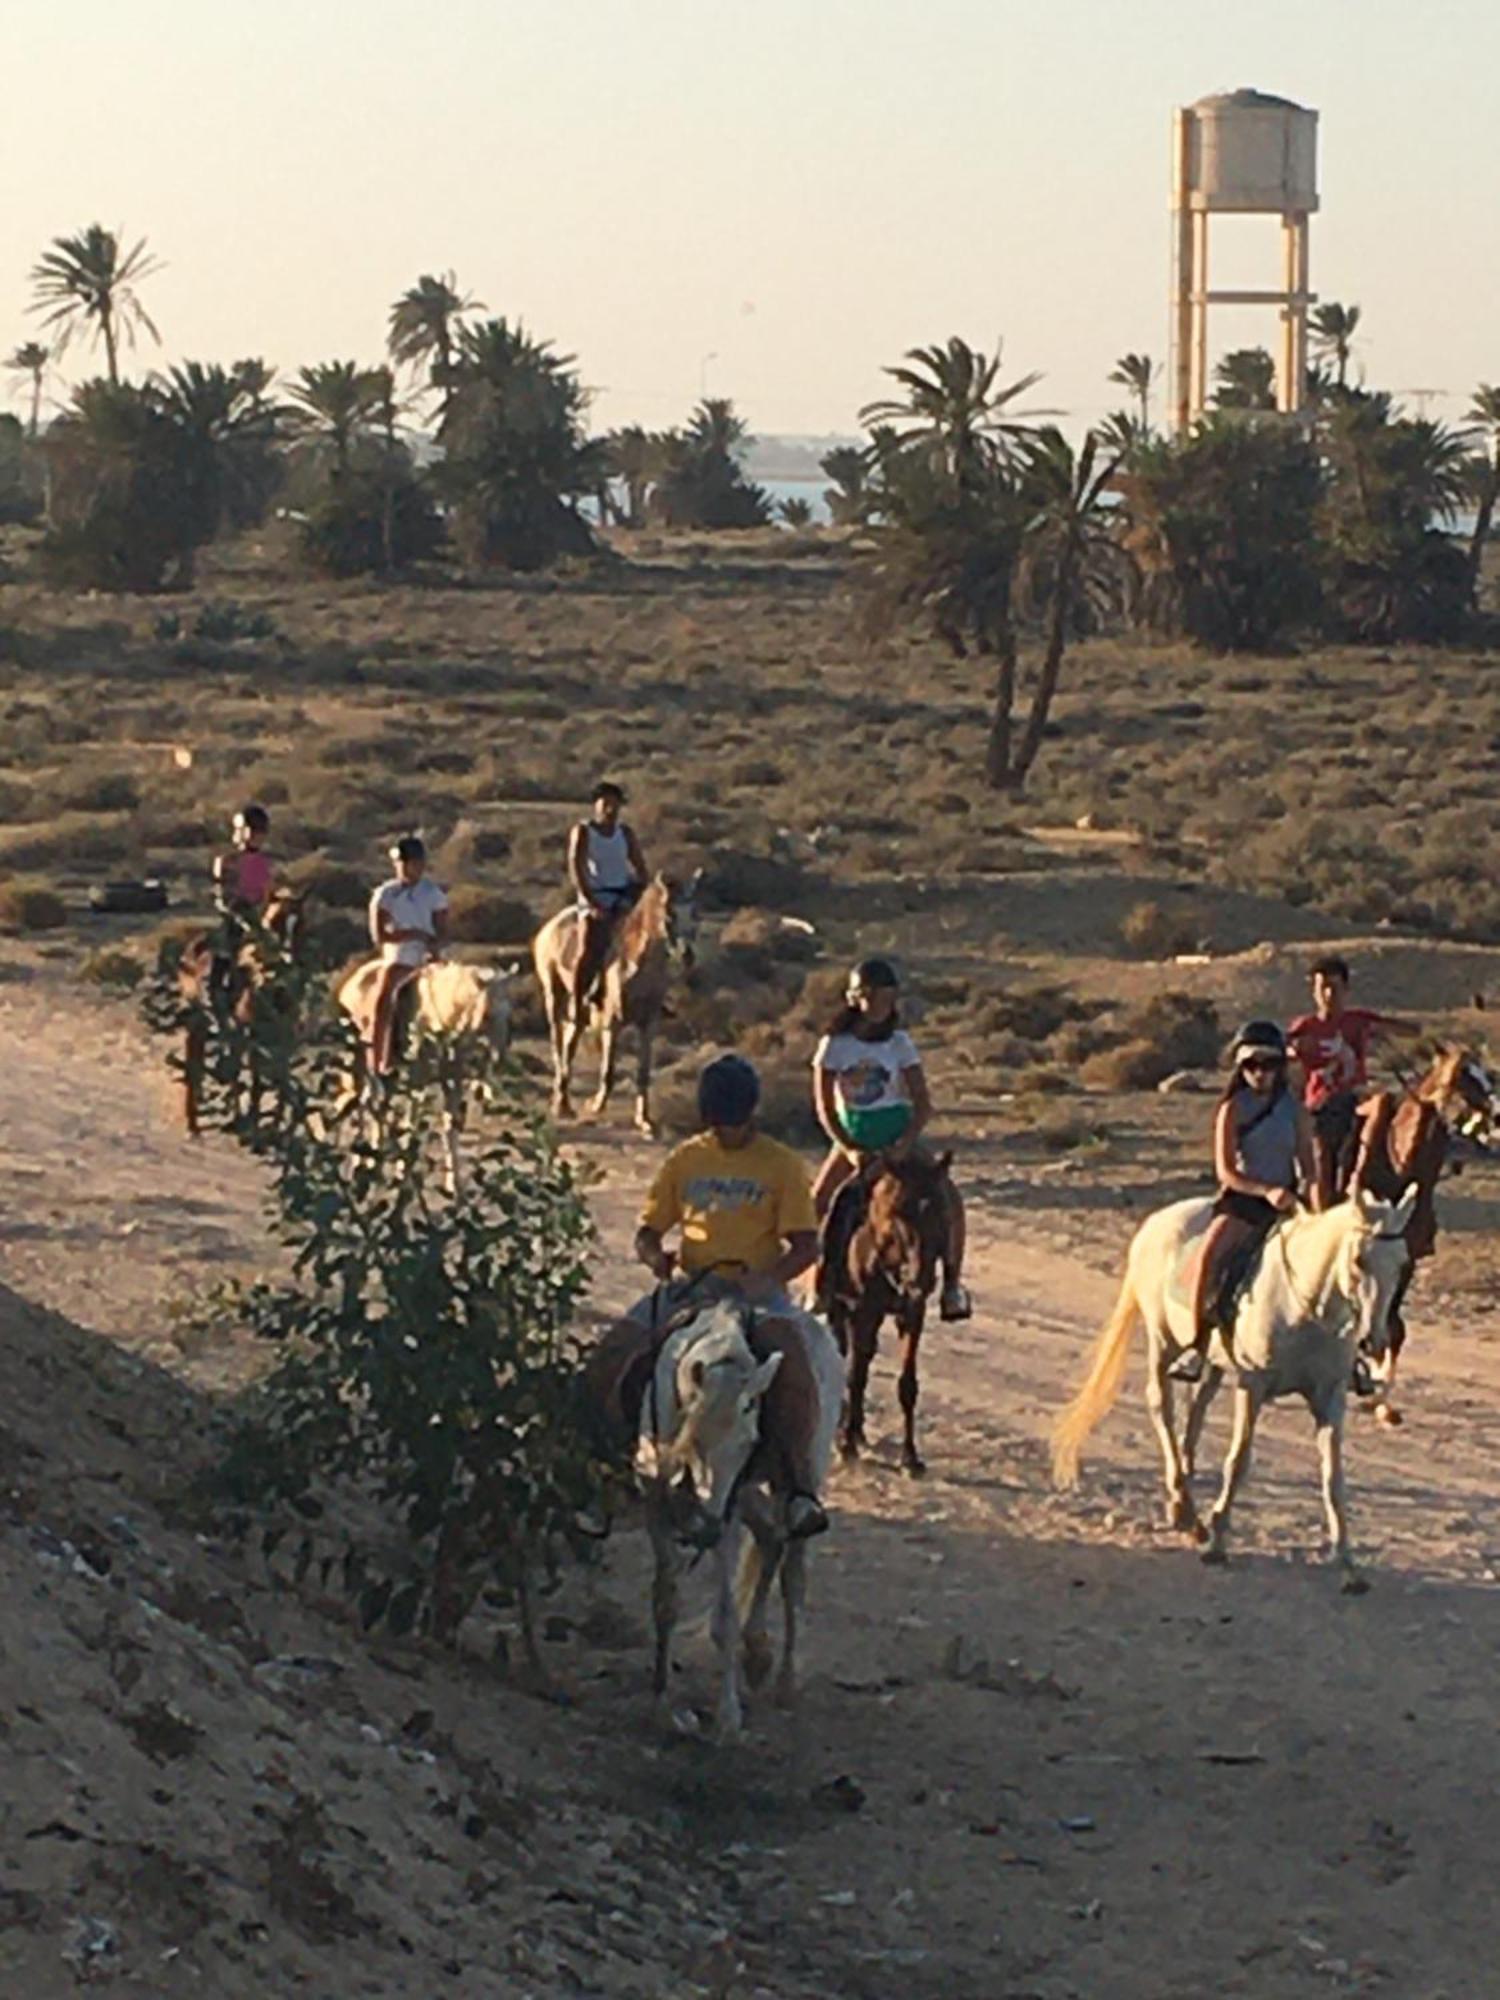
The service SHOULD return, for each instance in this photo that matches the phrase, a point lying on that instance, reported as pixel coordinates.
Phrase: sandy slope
(1090, 1766)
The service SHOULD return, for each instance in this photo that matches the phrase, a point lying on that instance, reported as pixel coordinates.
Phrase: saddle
(843, 1222)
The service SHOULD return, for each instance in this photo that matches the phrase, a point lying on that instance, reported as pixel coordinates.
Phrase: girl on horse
(871, 1097)
(1263, 1147)
(244, 877)
(608, 870)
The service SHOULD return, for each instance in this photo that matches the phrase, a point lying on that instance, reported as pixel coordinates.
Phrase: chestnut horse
(1403, 1142)
(261, 992)
(888, 1270)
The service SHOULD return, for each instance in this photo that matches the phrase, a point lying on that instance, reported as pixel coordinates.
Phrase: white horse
(1322, 1288)
(459, 1005)
(700, 1430)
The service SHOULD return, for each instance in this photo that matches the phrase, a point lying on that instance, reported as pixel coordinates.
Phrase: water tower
(1240, 153)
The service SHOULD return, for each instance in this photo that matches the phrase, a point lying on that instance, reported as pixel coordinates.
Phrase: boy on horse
(409, 927)
(244, 876)
(608, 870)
(1263, 1147)
(742, 1211)
(1331, 1046)
(871, 1098)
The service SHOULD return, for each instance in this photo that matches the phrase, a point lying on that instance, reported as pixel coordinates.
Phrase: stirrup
(955, 1303)
(806, 1516)
(1189, 1365)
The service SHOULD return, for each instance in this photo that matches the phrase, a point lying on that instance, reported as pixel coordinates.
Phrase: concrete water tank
(1251, 152)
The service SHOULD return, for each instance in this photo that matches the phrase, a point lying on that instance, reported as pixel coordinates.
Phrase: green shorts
(873, 1130)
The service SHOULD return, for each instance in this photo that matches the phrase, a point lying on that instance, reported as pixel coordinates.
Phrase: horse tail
(1100, 1387)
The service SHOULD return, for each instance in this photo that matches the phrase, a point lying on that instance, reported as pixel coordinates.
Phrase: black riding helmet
(1258, 1038)
(728, 1091)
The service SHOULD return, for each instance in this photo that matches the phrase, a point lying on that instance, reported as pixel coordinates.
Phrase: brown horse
(254, 991)
(662, 927)
(888, 1270)
(1403, 1142)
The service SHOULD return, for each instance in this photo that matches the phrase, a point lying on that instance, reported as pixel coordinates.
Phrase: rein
(1315, 1308)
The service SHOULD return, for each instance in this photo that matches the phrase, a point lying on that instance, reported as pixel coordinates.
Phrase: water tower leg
(1198, 391)
(1182, 277)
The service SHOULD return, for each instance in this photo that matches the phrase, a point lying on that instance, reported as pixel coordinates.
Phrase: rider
(871, 1098)
(409, 925)
(742, 1209)
(244, 876)
(608, 869)
(1262, 1148)
(1331, 1046)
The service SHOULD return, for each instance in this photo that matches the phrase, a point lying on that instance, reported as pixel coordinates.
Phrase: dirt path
(1089, 1766)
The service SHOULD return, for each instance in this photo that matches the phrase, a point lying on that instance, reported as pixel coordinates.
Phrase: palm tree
(424, 327)
(1137, 373)
(1484, 415)
(795, 512)
(636, 459)
(1333, 337)
(1246, 380)
(848, 466)
(952, 411)
(85, 283)
(31, 358)
(230, 427)
(335, 402)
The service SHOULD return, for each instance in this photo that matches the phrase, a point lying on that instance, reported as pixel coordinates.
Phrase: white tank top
(607, 859)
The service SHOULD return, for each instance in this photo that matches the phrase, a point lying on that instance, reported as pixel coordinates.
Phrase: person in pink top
(244, 877)
(1331, 1047)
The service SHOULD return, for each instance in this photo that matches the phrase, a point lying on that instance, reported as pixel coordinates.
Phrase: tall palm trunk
(1483, 521)
(36, 402)
(997, 767)
(1051, 667)
(111, 357)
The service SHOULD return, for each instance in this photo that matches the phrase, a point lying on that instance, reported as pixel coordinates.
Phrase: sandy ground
(1089, 1766)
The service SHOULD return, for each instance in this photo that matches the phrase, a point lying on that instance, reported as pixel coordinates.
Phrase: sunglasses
(1261, 1063)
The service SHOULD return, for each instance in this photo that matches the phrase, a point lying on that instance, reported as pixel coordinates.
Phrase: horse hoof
(1214, 1556)
(786, 1691)
(849, 1450)
(1352, 1584)
(1387, 1413)
(913, 1467)
(1182, 1515)
(757, 1658)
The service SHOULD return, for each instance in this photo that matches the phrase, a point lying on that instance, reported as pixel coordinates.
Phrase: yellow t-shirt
(735, 1208)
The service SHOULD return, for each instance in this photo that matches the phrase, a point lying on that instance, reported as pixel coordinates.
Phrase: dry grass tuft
(31, 906)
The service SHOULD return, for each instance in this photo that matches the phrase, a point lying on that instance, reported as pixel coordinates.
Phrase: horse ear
(765, 1375)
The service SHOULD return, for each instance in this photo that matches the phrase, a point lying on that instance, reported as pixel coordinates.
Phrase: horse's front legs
(910, 1324)
(861, 1333)
(1246, 1409)
(663, 1589)
(762, 1558)
(609, 1041)
(1161, 1402)
(793, 1597)
(1331, 1464)
(567, 1023)
(726, 1631)
(1198, 1407)
(194, 1063)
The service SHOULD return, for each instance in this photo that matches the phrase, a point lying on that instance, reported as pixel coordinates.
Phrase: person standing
(1331, 1047)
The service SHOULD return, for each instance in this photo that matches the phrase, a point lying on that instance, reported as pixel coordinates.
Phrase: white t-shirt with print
(868, 1077)
(411, 906)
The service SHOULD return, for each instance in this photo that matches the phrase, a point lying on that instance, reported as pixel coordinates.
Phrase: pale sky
(799, 189)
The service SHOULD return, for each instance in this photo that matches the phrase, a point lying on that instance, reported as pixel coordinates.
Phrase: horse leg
(194, 1057)
(906, 1391)
(609, 1041)
(1161, 1403)
(1246, 1409)
(645, 1124)
(862, 1333)
(1331, 1464)
(1385, 1371)
(566, 1032)
(1198, 1407)
(793, 1597)
(663, 1591)
(731, 1717)
(762, 1557)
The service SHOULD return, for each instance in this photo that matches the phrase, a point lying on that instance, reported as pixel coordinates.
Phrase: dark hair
(728, 1091)
(1332, 967)
(410, 847)
(608, 789)
(880, 975)
(255, 818)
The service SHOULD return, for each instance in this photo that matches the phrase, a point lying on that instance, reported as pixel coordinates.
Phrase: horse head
(710, 1416)
(1371, 1259)
(1460, 1080)
(907, 1216)
(680, 916)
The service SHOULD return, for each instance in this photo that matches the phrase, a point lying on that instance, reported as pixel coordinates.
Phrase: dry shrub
(487, 916)
(31, 906)
(100, 791)
(1150, 930)
(73, 840)
(786, 1111)
(1132, 1065)
(1079, 1040)
(114, 967)
(331, 883)
(468, 848)
(1031, 1014)
(176, 831)
(1185, 1028)
(738, 879)
(1042, 1080)
(754, 943)
(337, 936)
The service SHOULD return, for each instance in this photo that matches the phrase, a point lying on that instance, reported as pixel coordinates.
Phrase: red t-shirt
(1333, 1053)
